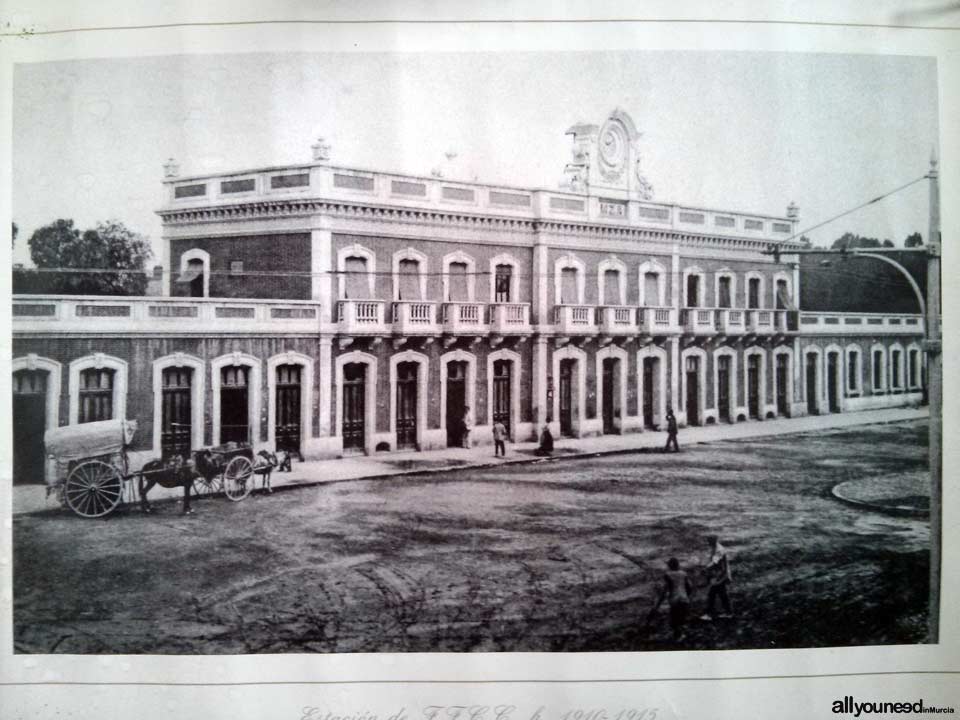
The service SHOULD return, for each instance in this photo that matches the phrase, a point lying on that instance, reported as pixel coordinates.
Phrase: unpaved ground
(560, 555)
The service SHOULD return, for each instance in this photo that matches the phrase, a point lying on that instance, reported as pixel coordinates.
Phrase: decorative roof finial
(171, 169)
(321, 150)
(793, 211)
(933, 161)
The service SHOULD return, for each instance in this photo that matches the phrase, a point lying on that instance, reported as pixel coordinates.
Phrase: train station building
(328, 310)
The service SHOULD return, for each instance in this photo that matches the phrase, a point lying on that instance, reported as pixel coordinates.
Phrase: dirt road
(562, 555)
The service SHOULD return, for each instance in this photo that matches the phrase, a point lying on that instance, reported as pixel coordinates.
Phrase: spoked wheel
(238, 478)
(203, 487)
(93, 489)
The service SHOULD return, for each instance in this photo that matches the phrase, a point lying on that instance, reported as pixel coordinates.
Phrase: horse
(265, 463)
(170, 473)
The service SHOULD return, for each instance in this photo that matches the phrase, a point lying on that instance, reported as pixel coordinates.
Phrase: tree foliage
(110, 245)
(913, 240)
(849, 241)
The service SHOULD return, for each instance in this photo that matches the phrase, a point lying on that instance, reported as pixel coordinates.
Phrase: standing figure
(499, 438)
(718, 579)
(467, 426)
(676, 589)
(671, 431)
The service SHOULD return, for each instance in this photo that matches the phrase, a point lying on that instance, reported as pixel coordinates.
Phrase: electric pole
(935, 385)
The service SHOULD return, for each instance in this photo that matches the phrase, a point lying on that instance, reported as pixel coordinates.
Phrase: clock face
(613, 150)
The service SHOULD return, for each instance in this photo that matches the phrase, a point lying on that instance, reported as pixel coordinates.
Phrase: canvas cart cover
(76, 442)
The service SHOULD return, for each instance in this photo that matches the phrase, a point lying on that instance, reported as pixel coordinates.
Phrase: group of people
(677, 589)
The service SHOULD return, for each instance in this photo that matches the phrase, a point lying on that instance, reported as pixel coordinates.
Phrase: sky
(747, 132)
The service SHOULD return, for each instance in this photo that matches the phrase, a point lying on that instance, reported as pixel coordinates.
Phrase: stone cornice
(263, 209)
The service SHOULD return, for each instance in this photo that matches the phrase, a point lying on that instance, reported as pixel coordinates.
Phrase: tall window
(502, 279)
(194, 277)
(568, 287)
(651, 289)
(783, 295)
(878, 370)
(753, 293)
(693, 291)
(723, 292)
(176, 412)
(96, 395)
(409, 280)
(914, 368)
(895, 369)
(457, 287)
(355, 286)
(853, 371)
(611, 287)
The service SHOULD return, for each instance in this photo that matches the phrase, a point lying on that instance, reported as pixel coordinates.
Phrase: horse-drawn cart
(93, 477)
(226, 467)
(92, 469)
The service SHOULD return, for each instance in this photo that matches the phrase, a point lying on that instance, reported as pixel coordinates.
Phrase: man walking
(671, 431)
(718, 579)
(499, 439)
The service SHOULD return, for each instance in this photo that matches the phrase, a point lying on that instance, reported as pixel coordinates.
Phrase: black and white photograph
(403, 352)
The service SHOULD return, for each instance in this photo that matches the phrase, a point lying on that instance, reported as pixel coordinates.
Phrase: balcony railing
(575, 319)
(730, 321)
(510, 318)
(159, 315)
(415, 318)
(658, 320)
(464, 318)
(698, 321)
(617, 320)
(760, 322)
(361, 317)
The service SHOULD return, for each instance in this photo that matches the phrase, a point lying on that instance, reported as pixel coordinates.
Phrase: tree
(888, 243)
(849, 240)
(110, 245)
(913, 240)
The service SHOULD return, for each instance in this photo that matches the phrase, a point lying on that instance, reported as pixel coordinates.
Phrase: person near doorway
(466, 425)
(499, 438)
(672, 431)
(718, 579)
(676, 590)
(546, 443)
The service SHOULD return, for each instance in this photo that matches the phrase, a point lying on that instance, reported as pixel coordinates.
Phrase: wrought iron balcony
(575, 319)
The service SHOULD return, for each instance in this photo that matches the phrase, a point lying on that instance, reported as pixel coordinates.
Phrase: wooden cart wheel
(93, 489)
(238, 478)
(202, 487)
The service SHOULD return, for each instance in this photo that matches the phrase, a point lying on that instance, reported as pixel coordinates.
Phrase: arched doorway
(407, 405)
(812, 383)
(503, 393)
(235, 404)
(456, 382)
(288, 412)
(30, 388)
